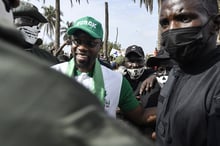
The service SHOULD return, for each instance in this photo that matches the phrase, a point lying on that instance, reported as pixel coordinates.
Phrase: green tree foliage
(50, 14)
(63, 30)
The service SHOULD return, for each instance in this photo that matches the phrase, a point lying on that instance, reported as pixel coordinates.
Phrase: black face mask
(183, 45)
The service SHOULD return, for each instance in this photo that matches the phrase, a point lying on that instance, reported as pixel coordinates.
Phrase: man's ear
(101, 44)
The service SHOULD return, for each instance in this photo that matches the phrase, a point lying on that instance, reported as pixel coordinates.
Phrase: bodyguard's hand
(147, 84)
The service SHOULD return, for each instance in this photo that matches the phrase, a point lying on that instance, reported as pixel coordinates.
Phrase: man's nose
(82, 47)
(172, 25)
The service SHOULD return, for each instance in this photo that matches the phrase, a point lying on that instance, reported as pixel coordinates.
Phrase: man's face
(181, 14)
(134, 65)
(133, 61)
(85, 50)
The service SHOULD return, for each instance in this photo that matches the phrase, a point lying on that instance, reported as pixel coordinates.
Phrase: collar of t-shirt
(93, 81)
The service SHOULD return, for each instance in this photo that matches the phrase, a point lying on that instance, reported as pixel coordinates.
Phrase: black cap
(29, 10)
(135, 49)
(162, 56)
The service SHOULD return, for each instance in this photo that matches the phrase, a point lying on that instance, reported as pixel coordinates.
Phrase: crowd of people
(171, 99)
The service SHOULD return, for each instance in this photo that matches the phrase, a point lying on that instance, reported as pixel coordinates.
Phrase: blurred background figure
(118, 64)
(27, 19)
(135, 72)
(60, 54)
(162, 64)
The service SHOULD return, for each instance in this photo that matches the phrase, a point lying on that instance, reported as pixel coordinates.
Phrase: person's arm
(142, 116)
(131, 108)
(67, 42)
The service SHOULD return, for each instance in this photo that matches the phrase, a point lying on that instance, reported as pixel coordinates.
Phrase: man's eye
(88, 43)
(76, 42)
(164, 23)
(161, 69)
(184, 19)
(91, 43)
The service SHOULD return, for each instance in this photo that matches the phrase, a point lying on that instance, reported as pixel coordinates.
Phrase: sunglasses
(88, 43)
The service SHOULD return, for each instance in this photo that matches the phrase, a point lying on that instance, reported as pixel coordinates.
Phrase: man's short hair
(211, 6)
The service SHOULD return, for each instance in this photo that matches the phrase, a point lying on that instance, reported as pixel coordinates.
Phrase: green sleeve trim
(127, 101)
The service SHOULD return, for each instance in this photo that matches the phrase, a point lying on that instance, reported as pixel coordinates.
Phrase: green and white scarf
(98, 82)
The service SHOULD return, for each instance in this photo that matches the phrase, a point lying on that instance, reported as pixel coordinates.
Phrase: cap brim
(129, 52)
(73, 29)
(34, 14)
(41, 18)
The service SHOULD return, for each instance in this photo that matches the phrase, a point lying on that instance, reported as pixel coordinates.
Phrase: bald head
(211, 6)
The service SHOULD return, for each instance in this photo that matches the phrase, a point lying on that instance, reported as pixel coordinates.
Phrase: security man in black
(189, 103)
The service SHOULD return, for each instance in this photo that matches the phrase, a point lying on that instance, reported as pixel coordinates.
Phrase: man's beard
(84, 64)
